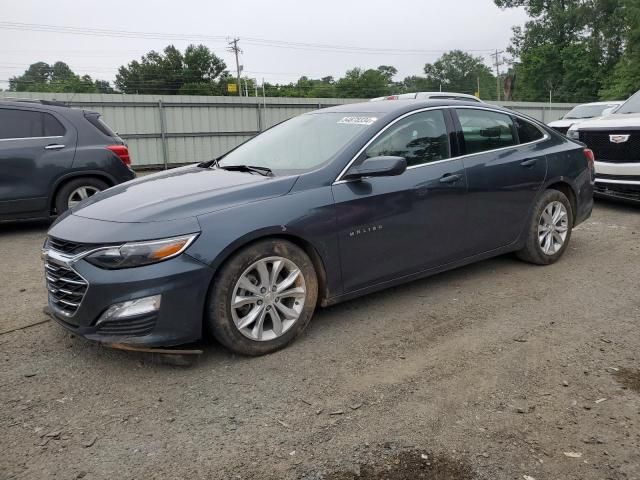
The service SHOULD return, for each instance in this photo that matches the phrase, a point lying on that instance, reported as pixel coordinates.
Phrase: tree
(42, 77)
(198, 72)
(625, 79)
(358, 83)
(567, 49)
(458, 71)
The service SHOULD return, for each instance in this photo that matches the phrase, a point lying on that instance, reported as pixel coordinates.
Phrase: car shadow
(24, 226)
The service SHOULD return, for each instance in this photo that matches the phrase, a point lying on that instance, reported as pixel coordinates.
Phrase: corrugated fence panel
(187, 129)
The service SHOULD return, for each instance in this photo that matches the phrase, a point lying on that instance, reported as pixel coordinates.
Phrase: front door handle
(529, 163)
(54, 146)
(450, 178)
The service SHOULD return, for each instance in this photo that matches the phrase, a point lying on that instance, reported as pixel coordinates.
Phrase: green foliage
(458, 71)
(625, 79)
(196, 72)
(42, 77)
(569, 49)
(358, 83)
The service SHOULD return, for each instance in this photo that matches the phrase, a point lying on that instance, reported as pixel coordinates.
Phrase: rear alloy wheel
(549, 229)
(263, 297)
(77, 190)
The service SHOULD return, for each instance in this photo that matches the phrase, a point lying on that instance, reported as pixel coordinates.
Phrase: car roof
(402, 106)
(611, 102)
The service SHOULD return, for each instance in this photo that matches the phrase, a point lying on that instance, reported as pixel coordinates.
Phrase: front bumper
(618, 180)
(182, 282)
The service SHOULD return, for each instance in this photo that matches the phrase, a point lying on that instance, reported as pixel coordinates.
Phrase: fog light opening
(131, 308)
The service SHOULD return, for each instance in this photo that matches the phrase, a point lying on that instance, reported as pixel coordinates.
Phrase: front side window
(419, 138)
(485, 130)
(28, 124)
(527, 132)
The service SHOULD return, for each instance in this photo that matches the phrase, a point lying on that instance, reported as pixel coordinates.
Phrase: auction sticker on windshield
(358, 120)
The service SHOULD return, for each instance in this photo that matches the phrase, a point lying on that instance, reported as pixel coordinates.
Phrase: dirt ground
(499, 370)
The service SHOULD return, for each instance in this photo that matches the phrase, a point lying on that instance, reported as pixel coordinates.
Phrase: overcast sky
(413, 32)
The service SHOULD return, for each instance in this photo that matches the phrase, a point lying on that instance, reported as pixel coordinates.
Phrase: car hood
(615, 120)
(181, 193)
(562, 123)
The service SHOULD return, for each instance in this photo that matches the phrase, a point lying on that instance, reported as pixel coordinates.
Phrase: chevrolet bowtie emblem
(618, 138)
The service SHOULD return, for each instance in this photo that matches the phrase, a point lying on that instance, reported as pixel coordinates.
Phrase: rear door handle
(529, 163)
(54, 146)
(450, 178)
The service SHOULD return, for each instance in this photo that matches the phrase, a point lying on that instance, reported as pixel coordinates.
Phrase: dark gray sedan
(321, 208)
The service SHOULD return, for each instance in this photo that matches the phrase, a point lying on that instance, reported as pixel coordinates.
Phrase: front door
(390, 227)
(35, 148)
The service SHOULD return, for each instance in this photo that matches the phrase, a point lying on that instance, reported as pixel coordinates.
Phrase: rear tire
(77, 190)
(262, 298)
(549, 229)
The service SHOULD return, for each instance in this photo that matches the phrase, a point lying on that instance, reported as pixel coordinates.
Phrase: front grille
(129, 327)
(68, 247)
(607, 151)
(66, 288)
(562, 130)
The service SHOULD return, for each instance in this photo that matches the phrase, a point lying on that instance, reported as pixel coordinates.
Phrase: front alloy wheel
(262, 297)
(268, 298)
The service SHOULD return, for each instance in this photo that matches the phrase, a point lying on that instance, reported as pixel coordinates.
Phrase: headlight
(136, 254)
(573, 134)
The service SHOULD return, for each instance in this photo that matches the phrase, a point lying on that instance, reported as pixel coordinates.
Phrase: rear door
(389, 227)
(504, 174)
(35, 148)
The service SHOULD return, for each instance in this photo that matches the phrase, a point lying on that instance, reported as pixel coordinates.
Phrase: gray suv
(53, 156)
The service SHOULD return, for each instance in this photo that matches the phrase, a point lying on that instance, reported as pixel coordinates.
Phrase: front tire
(549, 229)
(263, 297)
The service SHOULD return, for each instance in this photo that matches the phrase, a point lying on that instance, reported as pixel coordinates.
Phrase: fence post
(259, 115)
(163, 135)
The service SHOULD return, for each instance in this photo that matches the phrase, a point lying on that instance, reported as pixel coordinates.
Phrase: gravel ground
(499, 370)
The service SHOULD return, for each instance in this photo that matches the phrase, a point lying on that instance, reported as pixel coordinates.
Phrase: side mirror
(377, 167)
(608, 111)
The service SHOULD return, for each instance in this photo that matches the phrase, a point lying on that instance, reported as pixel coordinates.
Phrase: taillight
(588, 153)
(122, 152)
(392, 97)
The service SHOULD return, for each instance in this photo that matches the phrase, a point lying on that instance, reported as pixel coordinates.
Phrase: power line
(219, 39)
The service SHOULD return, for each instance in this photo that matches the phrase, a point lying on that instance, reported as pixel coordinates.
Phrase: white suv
(615, 141)
(430, 96)
(583, 112)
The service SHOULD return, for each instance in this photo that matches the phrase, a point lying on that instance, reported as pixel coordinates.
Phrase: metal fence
(173, 130)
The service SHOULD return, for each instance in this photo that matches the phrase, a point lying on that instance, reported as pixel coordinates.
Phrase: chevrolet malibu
(322, 208)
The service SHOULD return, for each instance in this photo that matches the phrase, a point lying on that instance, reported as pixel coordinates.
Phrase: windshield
(632, 105)
(587, 111)
(300, 144)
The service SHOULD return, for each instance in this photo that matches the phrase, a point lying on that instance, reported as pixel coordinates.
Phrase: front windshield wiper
(246, 168)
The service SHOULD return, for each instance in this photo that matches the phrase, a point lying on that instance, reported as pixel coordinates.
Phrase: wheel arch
(63, 180)
(569, 191)
(299, 241)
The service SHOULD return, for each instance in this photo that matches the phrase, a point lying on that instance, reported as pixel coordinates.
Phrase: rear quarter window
(527, 132)
(102, 127)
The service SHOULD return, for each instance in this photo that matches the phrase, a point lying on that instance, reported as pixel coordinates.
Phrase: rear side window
(527, 132)
(419, 138)
(484, 130)
(96, 121)
(28, 124)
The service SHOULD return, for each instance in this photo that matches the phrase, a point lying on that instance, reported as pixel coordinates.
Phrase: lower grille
(618, 190)
(607, 151)
(66, 288)
(129, 327)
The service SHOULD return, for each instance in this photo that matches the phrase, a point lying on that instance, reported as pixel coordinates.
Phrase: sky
(281, 39)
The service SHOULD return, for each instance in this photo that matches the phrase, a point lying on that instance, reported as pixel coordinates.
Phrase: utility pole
(233, 47)
(497, 64)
